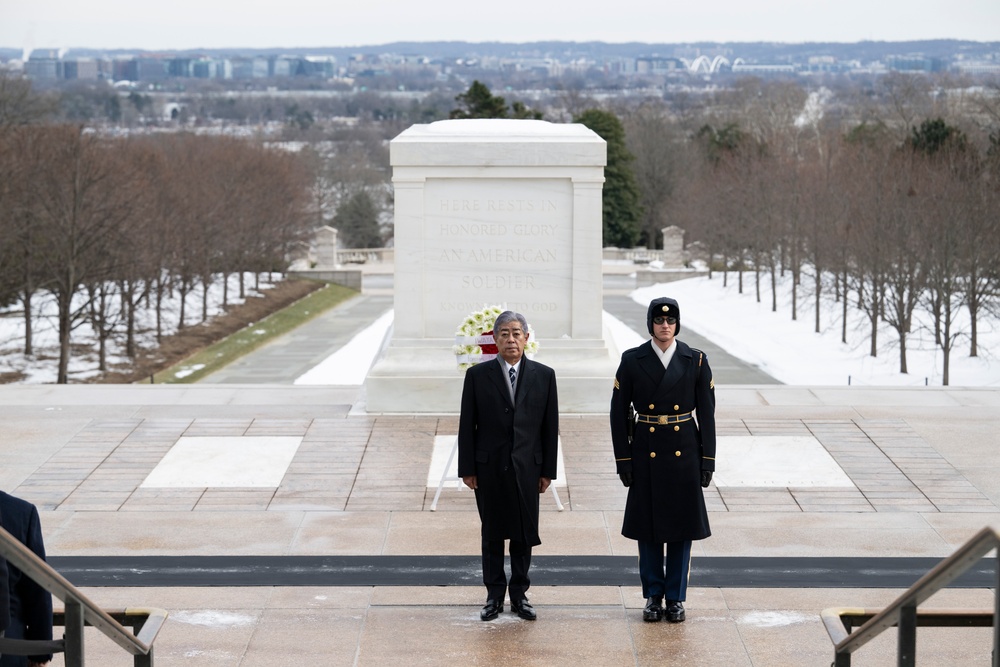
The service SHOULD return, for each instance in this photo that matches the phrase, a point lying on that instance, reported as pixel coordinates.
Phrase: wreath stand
(445, 478)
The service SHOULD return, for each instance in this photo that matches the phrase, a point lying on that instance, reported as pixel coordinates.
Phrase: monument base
(421, 376)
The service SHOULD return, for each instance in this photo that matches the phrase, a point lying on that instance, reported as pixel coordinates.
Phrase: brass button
(677, 407)
(651, 406)
(677, 427)
(652, 455)
(677, 453)
(652, 429)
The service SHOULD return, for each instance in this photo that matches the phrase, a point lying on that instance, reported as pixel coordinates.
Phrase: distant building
(979, 67)
(320, 66)
(151, 69)
(125, 69)
(914, 63)
(824, 64)
(210, 68)
(251, 68)
(658, 65)
(86, 69)
(740, 67)
(43, 64)
(283, 66)
(180, 67)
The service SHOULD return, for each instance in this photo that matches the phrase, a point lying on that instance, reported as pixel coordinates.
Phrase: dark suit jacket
(30, 604)
(4, 593)
(665, 500)
(496, 435)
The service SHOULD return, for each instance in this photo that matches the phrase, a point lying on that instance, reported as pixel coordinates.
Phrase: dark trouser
(664, 576)
(494, 576)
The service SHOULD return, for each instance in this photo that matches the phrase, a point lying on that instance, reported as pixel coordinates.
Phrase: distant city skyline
(193, 24)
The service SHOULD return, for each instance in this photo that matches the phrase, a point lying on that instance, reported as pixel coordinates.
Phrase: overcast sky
(183, 24)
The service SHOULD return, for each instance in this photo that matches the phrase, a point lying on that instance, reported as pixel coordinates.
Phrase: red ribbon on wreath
(489, 348)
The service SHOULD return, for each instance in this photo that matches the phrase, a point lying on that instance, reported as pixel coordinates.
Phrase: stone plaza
(894, 475)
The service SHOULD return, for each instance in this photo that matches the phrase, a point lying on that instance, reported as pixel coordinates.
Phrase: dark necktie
(513, 379)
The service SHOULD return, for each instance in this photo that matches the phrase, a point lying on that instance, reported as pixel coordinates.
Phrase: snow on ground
(785, 349)
(788, 350)
(792, 353)
(350, 364)
(41, 368)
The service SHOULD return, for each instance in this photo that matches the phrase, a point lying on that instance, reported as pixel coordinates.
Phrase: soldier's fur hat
(663, 306)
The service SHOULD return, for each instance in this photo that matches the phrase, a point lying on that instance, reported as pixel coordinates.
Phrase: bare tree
(824, 212)
(944, 253)
(19, 253)
(20, 104)
(655, 140)
(81, 212)
(867, 177)
(903, 99)
(139, 264)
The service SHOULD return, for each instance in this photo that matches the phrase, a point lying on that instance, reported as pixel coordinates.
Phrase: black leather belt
(663, 419)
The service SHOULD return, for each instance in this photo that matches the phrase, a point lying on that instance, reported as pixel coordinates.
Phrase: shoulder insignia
(616, 384)
(711, 383)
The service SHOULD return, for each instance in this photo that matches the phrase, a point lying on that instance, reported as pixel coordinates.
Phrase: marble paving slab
(213, 461)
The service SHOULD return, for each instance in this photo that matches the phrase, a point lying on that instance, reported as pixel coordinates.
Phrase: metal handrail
(902, 612)
(79, 610)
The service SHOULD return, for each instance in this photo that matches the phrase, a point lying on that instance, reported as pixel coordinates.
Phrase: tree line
(105, 225)
(889, 205)
(885, 216)
(881, 193)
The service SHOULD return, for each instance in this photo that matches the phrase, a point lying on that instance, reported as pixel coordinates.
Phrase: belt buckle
(662, 419)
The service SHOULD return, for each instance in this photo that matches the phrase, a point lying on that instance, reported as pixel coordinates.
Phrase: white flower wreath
(474, 341)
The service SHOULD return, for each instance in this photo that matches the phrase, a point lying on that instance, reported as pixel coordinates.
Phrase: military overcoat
(665, 499)
(496, 435)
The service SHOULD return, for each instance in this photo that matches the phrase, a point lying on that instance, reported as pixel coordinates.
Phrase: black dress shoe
(523, 609)
(675, 611)
(654, 609)
(491, 610)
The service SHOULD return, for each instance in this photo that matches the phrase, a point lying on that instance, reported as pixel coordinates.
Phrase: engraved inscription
(497, 229)
(497, 205)
(492, 281)
(518, 306)
(506, 242)
(498, 255)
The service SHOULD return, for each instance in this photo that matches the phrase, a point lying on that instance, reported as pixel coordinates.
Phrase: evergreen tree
(479, 102)
(357, 222)
(933, 135)
(622, 207)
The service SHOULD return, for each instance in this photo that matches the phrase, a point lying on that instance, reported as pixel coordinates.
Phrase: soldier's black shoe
(675, 611)
(491, 610)
(654, 609)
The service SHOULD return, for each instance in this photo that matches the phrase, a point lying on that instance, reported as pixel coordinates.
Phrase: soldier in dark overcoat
(663, 431)
(508, 436)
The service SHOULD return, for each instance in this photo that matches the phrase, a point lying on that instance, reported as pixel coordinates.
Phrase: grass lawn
(248, 339)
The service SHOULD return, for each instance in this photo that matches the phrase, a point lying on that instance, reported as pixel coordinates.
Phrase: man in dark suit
(4, 596)
(507, 444)
(30, 604)
(665, 455)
